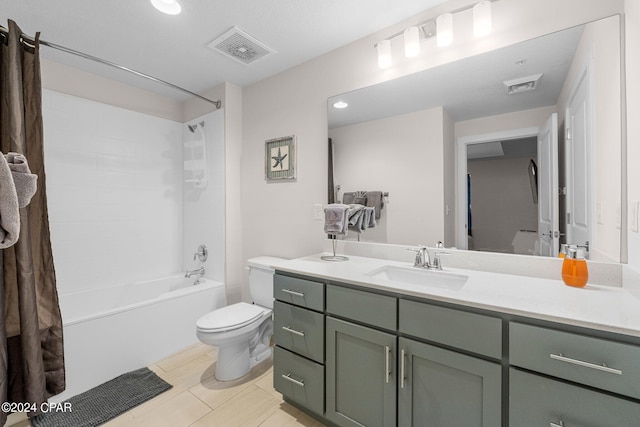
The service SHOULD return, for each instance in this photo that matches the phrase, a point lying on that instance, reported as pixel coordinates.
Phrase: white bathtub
(110, 331)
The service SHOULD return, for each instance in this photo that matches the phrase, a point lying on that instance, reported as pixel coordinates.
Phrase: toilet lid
(231, 317)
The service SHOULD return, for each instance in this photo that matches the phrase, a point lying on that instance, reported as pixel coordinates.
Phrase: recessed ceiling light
(170, 7)
(340, 104)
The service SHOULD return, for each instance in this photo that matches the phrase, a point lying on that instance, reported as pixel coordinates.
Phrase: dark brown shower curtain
(31, 350)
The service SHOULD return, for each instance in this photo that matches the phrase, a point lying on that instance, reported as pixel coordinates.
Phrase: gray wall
(501, 202)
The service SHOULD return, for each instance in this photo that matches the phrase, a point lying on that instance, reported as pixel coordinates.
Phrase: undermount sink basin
(418, 276)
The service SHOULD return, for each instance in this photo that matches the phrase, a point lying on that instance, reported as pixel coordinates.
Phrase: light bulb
(444, 29)
(384, 54)
(170, 7)
(411, 42)
(482, 19)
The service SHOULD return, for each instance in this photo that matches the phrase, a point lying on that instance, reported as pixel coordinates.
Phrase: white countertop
(605, 308)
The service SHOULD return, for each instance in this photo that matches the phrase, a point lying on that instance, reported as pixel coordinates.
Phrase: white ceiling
(173, 48)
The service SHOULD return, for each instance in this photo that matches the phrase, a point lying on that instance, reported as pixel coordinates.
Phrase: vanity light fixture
(411, 42)
(482, 19)
(441, 27)
(444, 29)
(384, 53)
(170, 7)
(340, 104)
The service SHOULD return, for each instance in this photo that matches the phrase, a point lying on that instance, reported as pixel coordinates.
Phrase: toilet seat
(231, 317)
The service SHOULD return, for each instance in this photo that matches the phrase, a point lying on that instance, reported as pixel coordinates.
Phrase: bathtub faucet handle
(202, 253)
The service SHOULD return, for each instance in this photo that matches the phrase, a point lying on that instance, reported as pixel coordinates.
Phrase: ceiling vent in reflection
(240, 46)
(523, 84)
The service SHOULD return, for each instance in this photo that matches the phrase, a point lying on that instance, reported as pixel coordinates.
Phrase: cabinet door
(438, 387)
(361, 379)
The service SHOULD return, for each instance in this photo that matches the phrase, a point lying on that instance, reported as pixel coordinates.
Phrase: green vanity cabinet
(438, 387)
(541, 401)
(360, 375)
(298, 361)
(444, 386)
(356, 356)
(566, 378)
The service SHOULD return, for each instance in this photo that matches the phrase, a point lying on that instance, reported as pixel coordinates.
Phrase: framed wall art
(280, 159)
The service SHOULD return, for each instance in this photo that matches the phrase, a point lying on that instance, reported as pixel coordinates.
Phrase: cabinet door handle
(602, 367)
(293, 380)
(293, 331)
(387, 372)
(560, 424)
(402, 375)
(290, 292)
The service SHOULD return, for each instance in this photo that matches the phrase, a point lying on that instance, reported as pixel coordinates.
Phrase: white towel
(336, 219)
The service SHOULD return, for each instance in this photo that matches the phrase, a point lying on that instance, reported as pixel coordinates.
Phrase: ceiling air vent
(522, 84)
(240, 46)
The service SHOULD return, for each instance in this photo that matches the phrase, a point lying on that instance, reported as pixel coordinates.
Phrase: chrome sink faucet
(423, 258)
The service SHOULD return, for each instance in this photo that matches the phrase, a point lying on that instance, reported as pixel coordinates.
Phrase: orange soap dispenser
(563, 250)
(574, 268)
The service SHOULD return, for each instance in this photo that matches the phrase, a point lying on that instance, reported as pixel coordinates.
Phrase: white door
(578, 137)
(548, 234)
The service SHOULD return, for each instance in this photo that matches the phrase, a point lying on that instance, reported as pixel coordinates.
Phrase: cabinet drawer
(596, 362)
(299, 379)
(468, 331)
(538, 401)
(362, 306)
(301, 292)
(299, 330)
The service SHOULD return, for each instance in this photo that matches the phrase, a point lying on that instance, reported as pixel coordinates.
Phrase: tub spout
(197, 272)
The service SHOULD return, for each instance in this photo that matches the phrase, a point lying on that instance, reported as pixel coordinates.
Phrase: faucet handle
(420, 255)
(436, 262)
(202, 253)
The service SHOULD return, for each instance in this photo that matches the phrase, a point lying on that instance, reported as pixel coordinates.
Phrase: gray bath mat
(106, 401)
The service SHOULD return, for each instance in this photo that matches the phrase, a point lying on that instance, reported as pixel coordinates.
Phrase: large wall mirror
(517, 150)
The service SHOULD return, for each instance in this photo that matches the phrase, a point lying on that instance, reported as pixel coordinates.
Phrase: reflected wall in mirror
(454, 147)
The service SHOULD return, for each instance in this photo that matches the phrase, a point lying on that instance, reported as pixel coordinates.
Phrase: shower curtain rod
(217, 103)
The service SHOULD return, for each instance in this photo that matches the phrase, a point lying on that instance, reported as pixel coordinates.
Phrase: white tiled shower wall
(203, 208)
(114, 186)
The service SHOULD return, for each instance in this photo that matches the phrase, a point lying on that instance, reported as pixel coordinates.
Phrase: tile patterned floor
(197, 399)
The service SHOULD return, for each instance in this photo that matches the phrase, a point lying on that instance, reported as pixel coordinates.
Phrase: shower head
(193, 128)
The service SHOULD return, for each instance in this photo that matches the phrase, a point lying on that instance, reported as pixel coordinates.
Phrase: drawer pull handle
(290, 292)
(387, 372)
(293, 380)
(560, 424)
(602, 367)
(402, 374)
(293, 331)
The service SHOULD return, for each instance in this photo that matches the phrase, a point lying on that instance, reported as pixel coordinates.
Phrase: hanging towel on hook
(17, 187)
(375, 199)
(9, 210)
(26, 182)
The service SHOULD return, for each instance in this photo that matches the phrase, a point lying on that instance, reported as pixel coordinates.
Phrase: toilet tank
(261, 279)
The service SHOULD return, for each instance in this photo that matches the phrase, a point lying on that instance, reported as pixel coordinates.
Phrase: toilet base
(234, 361)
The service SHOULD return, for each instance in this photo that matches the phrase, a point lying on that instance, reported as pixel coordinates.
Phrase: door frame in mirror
(461, 172)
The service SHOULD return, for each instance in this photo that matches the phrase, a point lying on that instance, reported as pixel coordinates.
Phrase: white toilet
(242, 332)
